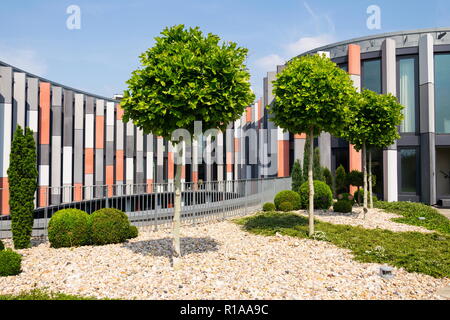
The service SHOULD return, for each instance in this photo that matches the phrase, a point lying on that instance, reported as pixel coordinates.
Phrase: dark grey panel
(442, 140)
(109, 153)
(409, 140)
(428, 168)
(407, 51)
(68, 118)
(44, 151)
(129, 152)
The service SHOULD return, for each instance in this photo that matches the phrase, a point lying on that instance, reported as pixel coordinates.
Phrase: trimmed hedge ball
(323, 197)
(269, 207)
(286, 207)
(10, 263)
(109, 226)
(343, 206)
(69, 228)
(287, 196)
(133, 232)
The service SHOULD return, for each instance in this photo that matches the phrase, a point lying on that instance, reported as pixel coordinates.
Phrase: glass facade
(442, 92)
(408, 174)
(408, 92)
(371, 75)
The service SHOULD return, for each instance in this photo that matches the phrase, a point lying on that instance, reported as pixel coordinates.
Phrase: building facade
(415, 67)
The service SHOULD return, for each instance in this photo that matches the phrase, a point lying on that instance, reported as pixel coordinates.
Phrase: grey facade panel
(44, 151)
(5, 85)
(68, 118)
(78, 157)
(428, 168)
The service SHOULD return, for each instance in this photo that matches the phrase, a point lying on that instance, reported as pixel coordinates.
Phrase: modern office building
(415, 67)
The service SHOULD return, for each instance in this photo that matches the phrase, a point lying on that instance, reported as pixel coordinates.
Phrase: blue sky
(100, 57)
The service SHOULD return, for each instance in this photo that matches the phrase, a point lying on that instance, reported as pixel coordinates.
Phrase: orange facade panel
(354, 59)
(44, 113)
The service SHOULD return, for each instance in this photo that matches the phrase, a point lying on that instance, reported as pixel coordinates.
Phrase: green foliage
(343, 206)
(22, 175)
(359, 196)
(411, 213)
(39, 295)
(328, 178)
(346, 196)
(133, 232)
(413, 251)
(286, 206)
(269, 207)
(323, 197)
(69, 228)
(186, 77)
(2, 246)
(312, 92)
(355, 178)
(340, 180)
(10, 263)
(287, 196)
(373, 120)
(297, 176)
(109, 226)
(317, 168)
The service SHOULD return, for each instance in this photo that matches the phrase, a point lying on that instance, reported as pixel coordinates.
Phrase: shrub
(287, 196)
(360, 193)
(328, 178)
(109, 226)
(346, 196)
(133, 232)
(343, 206)
(297, 176)
(340, 180)
(2, 246)
(286, 206)
(10, 263)
(355, 178)
(69, 228)
(323, 197)
(269, 207)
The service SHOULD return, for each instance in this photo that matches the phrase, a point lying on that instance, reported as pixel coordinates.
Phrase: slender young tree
(312, 95)
(372, 122)
(297, 176)
(22, 175)
(187, 77)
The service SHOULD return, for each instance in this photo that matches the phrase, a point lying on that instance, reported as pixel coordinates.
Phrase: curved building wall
(415, 67)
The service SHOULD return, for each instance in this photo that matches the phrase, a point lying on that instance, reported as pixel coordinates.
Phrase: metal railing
(151, 205)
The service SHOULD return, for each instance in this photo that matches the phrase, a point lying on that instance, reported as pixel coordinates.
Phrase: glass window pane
(371, 75)
(442, 92)
(408, 175)
(407, 89)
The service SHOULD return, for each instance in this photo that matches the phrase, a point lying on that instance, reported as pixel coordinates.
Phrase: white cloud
(269, 62)
(305, 44)
(25, 59)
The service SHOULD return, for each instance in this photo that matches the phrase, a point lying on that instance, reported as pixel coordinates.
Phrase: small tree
(187, 77)
(312, 95)
(297, 176)
(317, 168)
(22, 175)
(373, 121)
(328, 178)
(355, 178)
(340, 180)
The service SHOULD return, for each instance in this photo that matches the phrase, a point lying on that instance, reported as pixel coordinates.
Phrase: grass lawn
(43, 295)
(411, 213)
(413, 251)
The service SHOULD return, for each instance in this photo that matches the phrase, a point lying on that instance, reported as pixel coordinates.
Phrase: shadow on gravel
(163, 247)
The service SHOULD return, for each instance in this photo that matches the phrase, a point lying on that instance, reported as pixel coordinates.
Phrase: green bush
(323, 197)
(297, 176)
(2, 246)
(328, 178)
(360, 193)
(269, 207)
(286, 206)
(69, 228)
(340, 180)
(346, 196)
(343, 206)
(133, 232)
(10, 263)
(109, 226)
(287, 196)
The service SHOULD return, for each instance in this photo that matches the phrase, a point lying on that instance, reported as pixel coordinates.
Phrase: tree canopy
(312, 92)
(187, 77)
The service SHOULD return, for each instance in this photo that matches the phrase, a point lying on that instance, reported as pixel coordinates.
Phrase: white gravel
(220, 262)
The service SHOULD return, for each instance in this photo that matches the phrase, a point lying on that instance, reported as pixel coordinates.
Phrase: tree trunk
(177, 213)
(311, 183)
(365, 179)
(370, 181)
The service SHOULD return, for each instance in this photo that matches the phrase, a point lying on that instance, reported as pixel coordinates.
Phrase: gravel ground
(374, 219)
(220, 262)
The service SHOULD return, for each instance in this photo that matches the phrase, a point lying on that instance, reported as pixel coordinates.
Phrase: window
(371, 75)
(442, 92)
(408, 174)
(407, 92)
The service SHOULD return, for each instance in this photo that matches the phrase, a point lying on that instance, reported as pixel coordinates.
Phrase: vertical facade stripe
(78, 147)
(120, 169)
(32, 106)
(5, 134)
(149, 163)
(57, 121)
(109, 150)
(68, 109)
(19, 108)
(99, 146)
(44, 143)
(89, 151)
(129, 153)
(140, 178)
